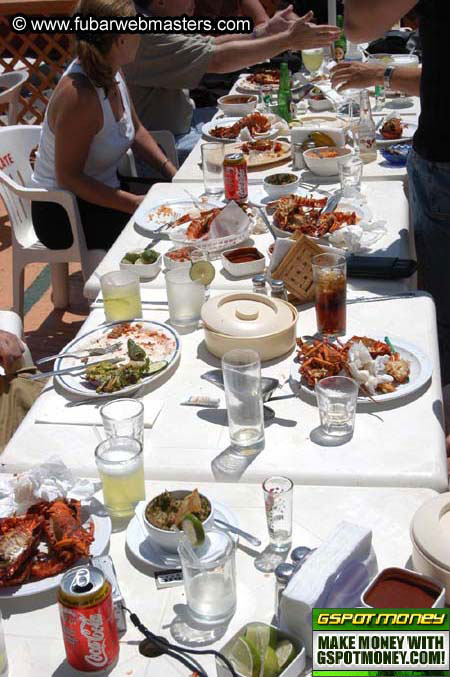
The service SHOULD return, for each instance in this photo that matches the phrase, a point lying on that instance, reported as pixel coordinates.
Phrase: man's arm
(354, 75)
(10, 349)
(277, 24)
(255, 10)
(368, 19)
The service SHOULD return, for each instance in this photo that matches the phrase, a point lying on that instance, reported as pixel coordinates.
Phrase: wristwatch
(388, 73)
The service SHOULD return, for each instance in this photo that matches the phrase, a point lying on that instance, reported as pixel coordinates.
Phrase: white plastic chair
(13, 82)
(16, 145)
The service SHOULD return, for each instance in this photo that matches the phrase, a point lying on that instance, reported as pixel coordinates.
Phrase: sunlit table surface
(32, 627)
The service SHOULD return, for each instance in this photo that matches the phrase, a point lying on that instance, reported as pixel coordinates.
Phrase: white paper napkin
(231, 221)
(89, 414)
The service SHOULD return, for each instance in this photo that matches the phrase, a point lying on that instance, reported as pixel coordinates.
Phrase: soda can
(87, 617)
(235, 177)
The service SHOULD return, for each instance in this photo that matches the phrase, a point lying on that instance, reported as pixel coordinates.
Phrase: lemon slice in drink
(245, 658)
(193, 528)
(202, 271)
(285, 652)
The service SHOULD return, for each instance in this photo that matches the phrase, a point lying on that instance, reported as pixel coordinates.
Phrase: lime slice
(245, 658)
(271, 668)
(286, 653)
(193, 528)
(261, 636)
(202, 271)
(156, 366)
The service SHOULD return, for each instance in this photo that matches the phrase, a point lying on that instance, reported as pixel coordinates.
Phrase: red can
(235, 177)
(87, 618)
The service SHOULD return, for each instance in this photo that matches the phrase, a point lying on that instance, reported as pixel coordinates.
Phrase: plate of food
(161, 217)
(395, 129)
(38, 547)
(145, 350)
(263, 152)
(258, 126)
(387, 369)
(252, 82)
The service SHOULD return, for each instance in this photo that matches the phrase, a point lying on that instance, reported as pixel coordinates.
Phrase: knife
(75, 371)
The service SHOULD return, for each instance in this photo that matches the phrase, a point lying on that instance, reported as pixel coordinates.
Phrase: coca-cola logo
(91, 628)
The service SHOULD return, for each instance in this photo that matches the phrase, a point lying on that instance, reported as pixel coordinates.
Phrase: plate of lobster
(252, 82)
(258, 126)
(395, 129)
(386, 369)
(52, 536)
(161, 217)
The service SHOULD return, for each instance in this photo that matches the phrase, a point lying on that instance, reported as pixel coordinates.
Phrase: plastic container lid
(247, 315)
(430, 530)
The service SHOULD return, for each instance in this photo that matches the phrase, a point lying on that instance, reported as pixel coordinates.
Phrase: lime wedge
(245, 658)
(261, 636)
(202, 271)
(156, 366)
(286, 653)
(271, 668)
(193, 528)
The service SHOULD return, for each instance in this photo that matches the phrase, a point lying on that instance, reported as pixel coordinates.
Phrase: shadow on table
(24, 605)
(229, 466)
(268, 560)
(188, 632)
(66, 670)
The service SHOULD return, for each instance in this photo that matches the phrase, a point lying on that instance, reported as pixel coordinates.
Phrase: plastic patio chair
(13, 82)
(17, 143)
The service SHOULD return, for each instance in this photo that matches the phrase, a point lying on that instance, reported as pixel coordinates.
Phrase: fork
(91, 352)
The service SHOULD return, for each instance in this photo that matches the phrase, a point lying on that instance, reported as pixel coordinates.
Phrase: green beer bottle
(284, 93)
(340, 46)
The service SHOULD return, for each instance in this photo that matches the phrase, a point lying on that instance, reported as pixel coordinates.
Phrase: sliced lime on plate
(261, 636)
(245, 658)
(286, 653)
(271, 668)
(202, 271)
(193, 528)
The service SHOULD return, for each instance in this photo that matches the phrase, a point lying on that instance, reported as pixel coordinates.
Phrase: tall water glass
(120, 464)
(121, 295)
(209, 576)
(242, 379)
(124, 418)
(278, 493)
(336, 398)
(330, 289)
(212, 163)
(350, 174)
(185, 297)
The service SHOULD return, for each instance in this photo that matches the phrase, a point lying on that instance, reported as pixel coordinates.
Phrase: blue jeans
(186, 142)
(429, 184)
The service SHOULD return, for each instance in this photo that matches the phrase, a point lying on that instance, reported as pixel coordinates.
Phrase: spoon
(229, 527)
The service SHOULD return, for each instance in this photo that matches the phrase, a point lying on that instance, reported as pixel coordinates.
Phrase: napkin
(46, 481)
(89, 414)
(334, 576)
(358, 238)
(231, 221)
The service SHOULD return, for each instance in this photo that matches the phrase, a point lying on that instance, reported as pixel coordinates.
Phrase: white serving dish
(169, 263)
(320, 105)
(235, 109)
(143, 271)
(278, 191)
(430, 530)
(241, 269)
(300, 134)
(294, 669)
(407, 573)
(324, 166)
(169, 540)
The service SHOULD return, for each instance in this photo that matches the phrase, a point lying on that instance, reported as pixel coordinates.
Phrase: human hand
(305, 35)
(10, 349)
(355, 75)
(280, 21)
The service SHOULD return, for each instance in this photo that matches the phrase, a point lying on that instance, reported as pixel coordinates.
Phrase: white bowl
(169, 540)
(324, 166)
(143, 270)
(320, 104)
(279, 191)
(234, 109)
(169, 263)
(241, 269)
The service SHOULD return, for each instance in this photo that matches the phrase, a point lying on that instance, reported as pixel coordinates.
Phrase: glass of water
(336, 399)
(212, 162)
(350, 174)
(209, 575)
(185, 297)
(124, 418)
(278, 493)
(242, 380)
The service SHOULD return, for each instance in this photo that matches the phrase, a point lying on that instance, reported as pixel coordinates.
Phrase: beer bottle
(366, 129)
(284, 93)
(340, 46)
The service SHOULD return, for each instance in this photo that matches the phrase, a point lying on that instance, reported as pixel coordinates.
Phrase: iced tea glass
(330, 284)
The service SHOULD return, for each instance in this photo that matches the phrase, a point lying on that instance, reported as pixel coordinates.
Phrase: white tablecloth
(32, 627)
(397, 445)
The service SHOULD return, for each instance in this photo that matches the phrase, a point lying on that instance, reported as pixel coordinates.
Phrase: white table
(32, 627)
(399, 445)
(386, 200)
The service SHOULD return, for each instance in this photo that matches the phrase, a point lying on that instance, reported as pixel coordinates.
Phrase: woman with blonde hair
(89, 125)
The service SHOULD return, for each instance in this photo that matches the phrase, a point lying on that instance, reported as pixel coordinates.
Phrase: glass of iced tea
(330, 283)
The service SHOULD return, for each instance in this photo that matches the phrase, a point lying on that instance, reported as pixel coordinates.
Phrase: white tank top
(107, 148)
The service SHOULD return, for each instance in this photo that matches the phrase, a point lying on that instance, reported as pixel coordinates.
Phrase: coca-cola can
(235, 177)
(87, 618)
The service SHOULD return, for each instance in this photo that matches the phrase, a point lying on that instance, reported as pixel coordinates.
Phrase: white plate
(228, 122)
(420, 366)
(102, 533)
(151, 554)
(149, 216)
(408, 133)
(259, 197)
(76, 383)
